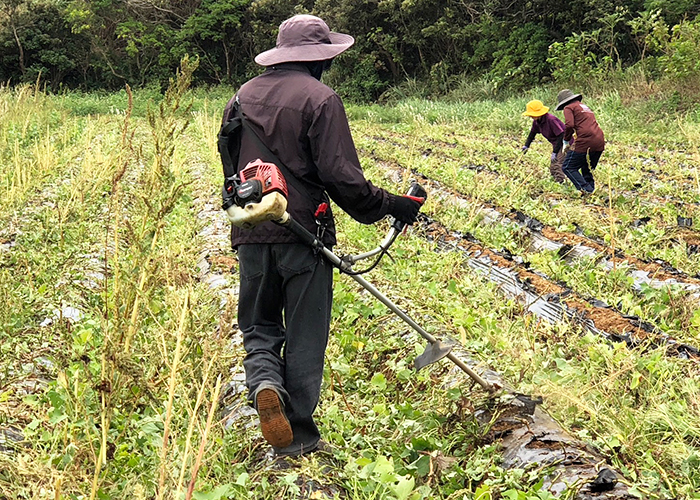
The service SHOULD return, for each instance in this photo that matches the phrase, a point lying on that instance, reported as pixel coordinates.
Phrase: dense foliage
(107, 43)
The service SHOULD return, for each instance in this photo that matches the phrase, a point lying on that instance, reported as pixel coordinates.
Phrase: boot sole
(273, 422)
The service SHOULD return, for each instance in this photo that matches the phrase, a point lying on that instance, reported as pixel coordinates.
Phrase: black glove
(404, 208)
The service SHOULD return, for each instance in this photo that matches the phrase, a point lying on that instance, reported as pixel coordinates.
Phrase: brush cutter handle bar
(308, 238)
(383, 247)
(417, 194)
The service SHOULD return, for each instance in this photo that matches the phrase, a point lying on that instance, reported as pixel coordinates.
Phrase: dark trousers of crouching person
(555, 168)
(286, 295)
(579, 167)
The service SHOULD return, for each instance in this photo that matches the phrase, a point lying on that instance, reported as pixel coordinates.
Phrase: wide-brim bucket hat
(305, 38)
(535, 109)
(565, 97)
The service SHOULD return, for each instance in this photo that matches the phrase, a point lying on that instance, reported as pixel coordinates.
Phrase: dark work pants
(284, 312)
(555, 168)
(579, 171)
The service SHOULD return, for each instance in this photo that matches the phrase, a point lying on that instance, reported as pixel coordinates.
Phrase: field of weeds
(121, 362)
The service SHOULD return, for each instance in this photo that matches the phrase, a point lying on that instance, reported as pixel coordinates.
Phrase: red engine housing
(268, 174)
(259, 195)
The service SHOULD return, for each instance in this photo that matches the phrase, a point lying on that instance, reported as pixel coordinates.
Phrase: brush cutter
(259, 193)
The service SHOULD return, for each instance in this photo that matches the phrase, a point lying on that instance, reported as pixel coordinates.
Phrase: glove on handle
(405, 208)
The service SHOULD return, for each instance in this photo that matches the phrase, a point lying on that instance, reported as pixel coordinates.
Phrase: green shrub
(681, 60)
(355, 77)
(521, 59)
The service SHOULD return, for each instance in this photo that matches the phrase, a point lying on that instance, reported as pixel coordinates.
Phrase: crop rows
(634, 201)
(550, 250)
(551, 300)
(585, 310)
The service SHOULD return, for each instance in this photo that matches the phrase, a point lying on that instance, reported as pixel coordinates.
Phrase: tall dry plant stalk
(205, 437)
(107, 367)
(192, 424)
(611, 217)
(174, 368)
(139, 212)
(158, 185)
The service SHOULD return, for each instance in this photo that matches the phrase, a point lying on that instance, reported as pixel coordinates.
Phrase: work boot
(273, 421)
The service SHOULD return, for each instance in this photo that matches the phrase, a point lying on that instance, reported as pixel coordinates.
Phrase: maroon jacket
(580, 119)
(303, 122)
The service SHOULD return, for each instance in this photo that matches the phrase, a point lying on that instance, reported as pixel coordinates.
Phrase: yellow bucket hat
(535, 109)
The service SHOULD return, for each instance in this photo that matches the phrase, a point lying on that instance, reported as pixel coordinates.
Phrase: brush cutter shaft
(394, 308)
(308, 238)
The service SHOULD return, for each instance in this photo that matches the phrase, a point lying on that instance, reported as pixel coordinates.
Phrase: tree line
(103, 44)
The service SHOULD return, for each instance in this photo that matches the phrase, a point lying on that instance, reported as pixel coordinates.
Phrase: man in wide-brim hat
(586, 147)
(552, 129)
(286, 288)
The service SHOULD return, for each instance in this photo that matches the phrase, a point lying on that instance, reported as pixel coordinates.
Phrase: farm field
(121, 362)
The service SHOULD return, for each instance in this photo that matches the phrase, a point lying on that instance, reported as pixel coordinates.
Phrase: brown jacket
(304, 123)
(580, 119)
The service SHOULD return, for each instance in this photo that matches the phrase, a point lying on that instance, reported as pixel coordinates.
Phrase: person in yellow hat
(552, 129)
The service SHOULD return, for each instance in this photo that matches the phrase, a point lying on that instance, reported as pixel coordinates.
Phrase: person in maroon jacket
(286, 289)
(587, 146)
(552, 129)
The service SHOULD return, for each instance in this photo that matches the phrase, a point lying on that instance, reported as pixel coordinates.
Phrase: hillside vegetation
(121, 362)
(431, 44)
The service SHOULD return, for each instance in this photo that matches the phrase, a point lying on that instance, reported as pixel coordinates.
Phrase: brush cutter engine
(257, 194)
